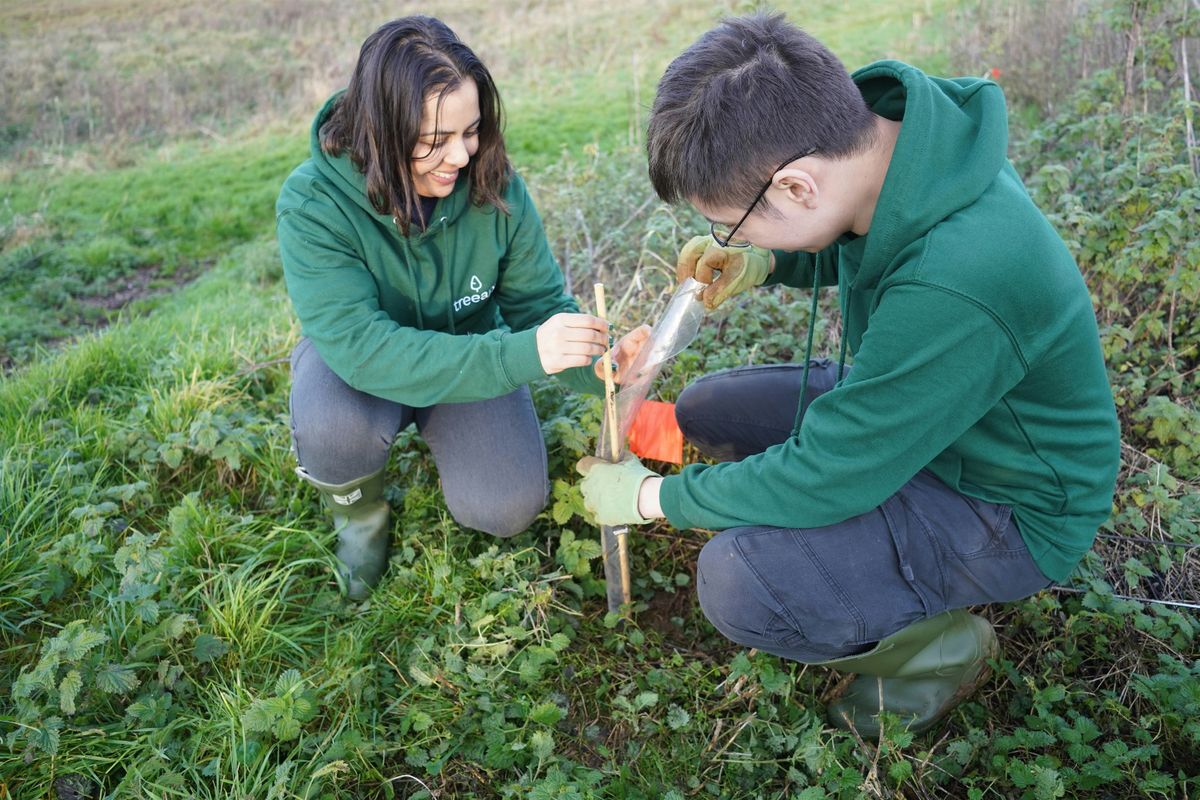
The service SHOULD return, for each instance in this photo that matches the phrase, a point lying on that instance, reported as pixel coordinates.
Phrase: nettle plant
(85, 677)
(51, 690)
(77, 682)
(283, 713)
(226, 439)
(68, 672)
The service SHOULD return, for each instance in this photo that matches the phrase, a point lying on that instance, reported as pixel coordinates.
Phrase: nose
(457, 154)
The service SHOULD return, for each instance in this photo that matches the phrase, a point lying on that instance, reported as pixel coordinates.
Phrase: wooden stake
(612, 539)
(622, 536)
(610, 400)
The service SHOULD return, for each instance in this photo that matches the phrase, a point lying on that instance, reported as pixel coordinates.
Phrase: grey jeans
(490, 454)
(814, 594)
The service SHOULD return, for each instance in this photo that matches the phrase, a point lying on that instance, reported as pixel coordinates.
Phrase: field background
(168, 622)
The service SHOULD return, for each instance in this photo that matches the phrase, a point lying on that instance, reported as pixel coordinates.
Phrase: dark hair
(749, 94)
(378, 119)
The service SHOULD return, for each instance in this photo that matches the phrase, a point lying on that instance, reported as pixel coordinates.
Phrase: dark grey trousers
(814, 594)
(490, 454)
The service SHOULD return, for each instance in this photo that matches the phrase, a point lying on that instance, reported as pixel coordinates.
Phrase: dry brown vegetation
(105, 73)
(92, 71)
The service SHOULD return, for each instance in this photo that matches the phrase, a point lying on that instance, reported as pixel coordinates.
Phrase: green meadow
(170, 625)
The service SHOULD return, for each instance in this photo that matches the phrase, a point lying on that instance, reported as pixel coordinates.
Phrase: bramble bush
(171, 628)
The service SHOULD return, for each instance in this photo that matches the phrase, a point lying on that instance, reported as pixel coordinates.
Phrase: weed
(169, 620)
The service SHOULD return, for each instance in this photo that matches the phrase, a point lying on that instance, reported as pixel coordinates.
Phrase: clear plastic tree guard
(674, 331)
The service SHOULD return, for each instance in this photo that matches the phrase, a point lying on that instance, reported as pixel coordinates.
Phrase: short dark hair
(750, 93)
(378, 119)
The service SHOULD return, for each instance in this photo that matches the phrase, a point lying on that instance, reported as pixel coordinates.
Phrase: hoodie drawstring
(413, 261)
(842, 349)
(812, 327)
(449, 271)
(410, 260)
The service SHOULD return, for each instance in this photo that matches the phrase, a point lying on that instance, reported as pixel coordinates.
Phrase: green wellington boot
(918, 673)
(361, 519)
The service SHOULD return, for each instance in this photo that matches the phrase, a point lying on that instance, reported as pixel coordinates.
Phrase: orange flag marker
(654, 434)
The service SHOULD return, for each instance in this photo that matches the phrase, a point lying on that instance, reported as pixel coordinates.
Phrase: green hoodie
(976, 352)
(445, 315)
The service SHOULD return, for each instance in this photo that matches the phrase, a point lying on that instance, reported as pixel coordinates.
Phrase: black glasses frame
(726, 241)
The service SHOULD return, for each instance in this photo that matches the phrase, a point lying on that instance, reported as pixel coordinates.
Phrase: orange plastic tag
(654, 434)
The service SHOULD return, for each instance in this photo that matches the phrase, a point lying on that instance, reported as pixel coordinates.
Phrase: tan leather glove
(726, 270)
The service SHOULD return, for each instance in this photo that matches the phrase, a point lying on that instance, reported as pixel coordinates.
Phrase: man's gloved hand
(610, 491)
(739, 268)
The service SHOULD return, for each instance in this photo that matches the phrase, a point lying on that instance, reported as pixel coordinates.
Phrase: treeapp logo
(476, 295)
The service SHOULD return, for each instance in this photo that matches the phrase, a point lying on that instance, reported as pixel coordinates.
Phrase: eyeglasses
(724, 237)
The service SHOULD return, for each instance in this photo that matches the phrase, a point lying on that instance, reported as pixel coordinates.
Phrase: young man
(969, 454)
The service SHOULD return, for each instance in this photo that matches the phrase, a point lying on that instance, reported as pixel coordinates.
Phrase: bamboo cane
(612, 539)
(610, 399)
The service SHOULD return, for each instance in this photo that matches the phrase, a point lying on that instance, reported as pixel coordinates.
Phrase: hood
(342, 173)
(958, 125)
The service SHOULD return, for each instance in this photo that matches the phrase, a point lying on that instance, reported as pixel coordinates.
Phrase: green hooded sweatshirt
(444, 315)
(976, 352)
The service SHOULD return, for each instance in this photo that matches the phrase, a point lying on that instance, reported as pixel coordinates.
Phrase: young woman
(426, 293)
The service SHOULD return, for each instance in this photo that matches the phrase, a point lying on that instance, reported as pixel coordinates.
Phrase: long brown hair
(378, 120)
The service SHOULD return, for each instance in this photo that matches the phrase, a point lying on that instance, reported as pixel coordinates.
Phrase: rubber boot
(361, 518)
(918, 673)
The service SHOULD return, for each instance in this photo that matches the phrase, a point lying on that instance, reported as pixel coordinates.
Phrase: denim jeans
(814, 594)
(490, 454)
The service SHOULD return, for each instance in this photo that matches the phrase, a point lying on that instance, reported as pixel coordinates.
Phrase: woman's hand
(625, 353)
(570, 340)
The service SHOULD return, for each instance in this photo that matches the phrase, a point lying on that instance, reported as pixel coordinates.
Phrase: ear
(799, 185)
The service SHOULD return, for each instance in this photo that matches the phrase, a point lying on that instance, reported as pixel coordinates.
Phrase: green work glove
(735, 269)
(610, 491)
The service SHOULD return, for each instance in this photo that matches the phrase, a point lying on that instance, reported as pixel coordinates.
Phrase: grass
(116, 218)
(73, 246)
(99, 74)
(167, 604)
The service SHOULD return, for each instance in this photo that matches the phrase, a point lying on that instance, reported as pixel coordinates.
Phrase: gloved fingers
(590, 508)
(712, 264)
(712, 295)
(735, 271)
(689, 254)
(585, 464)
(720, 289)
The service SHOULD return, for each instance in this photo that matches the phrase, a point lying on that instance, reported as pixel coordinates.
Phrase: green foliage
(169, 621)
(284, 713)
(1174, 696)
(1120, 188)
(221, 438)
(1171, 431)
(53, 686)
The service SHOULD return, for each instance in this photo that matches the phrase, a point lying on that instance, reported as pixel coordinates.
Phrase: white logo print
(478, 294)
